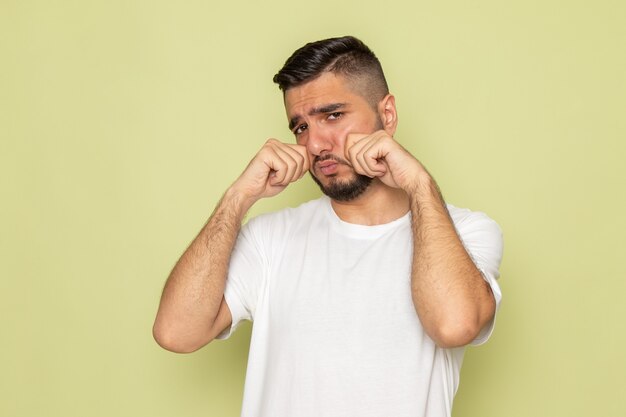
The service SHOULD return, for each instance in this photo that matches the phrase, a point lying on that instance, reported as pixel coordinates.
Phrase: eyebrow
(326, 108)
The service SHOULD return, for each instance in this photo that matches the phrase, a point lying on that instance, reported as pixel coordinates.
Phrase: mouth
(328, 167)
(328, 164)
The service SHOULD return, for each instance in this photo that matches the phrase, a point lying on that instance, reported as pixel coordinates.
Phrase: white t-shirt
(335, 330)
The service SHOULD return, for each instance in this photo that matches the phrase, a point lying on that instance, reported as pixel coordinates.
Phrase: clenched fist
(272, 169)
(379, 155)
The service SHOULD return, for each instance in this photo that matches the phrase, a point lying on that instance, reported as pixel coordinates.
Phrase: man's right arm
(193, 311)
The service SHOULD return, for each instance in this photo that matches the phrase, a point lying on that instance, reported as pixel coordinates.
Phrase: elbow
(464, 326)
(175, 342)
(459, 331)
(455, 334)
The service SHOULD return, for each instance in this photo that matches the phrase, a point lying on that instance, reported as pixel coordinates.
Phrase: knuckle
(280, 164)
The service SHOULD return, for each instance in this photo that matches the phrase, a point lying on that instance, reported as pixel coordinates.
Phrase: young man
(362, 300)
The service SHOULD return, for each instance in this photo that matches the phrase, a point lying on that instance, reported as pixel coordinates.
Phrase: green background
(122, 122)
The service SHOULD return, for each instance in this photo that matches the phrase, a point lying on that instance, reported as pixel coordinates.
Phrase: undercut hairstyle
(346, 56)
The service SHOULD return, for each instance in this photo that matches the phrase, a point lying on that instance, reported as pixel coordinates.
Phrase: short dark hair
(347, 56)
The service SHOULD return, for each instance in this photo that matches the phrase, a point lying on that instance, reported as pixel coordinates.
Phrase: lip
(328, 167)
(326, 163)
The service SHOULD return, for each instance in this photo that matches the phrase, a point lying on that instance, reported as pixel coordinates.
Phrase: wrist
(424, 191)
(238, 200)
(421, 185)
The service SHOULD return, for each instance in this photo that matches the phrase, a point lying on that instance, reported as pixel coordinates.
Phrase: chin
(344, 190)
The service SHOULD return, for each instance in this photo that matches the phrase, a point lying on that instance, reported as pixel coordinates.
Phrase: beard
(342, 189)
(349, 189)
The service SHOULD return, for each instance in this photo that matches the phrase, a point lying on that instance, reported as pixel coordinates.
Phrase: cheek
(341, 130)
(352, 127)
(361, 125)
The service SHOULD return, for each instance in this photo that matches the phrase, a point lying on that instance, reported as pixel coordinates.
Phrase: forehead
(325, 89)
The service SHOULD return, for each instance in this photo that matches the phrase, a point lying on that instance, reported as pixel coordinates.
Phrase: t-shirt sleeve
(483, 240)
(245, 273)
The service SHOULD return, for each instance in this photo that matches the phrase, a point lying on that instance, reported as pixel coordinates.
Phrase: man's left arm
(451, 297)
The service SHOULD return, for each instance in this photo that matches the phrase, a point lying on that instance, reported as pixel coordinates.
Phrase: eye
(299, 129)
(335, 115)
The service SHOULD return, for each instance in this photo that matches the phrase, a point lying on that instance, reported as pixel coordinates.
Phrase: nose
(319, 141)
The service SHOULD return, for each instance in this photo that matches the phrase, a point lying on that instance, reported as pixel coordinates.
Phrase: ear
(388, 114)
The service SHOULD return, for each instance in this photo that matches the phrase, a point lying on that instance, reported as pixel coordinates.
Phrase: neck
(379, 204)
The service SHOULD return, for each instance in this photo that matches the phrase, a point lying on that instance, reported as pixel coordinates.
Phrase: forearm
(452, 299)
(192, 311)
(194, 291)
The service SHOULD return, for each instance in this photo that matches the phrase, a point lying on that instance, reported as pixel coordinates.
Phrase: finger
(306, 162)
(352, 140)
(359, 156)
(300, 156)
(353, 153)
(365, 164)
(297, 159)
(274, 164)
(287, 168)
(374, 155)
(357, 159)
(277, 167)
